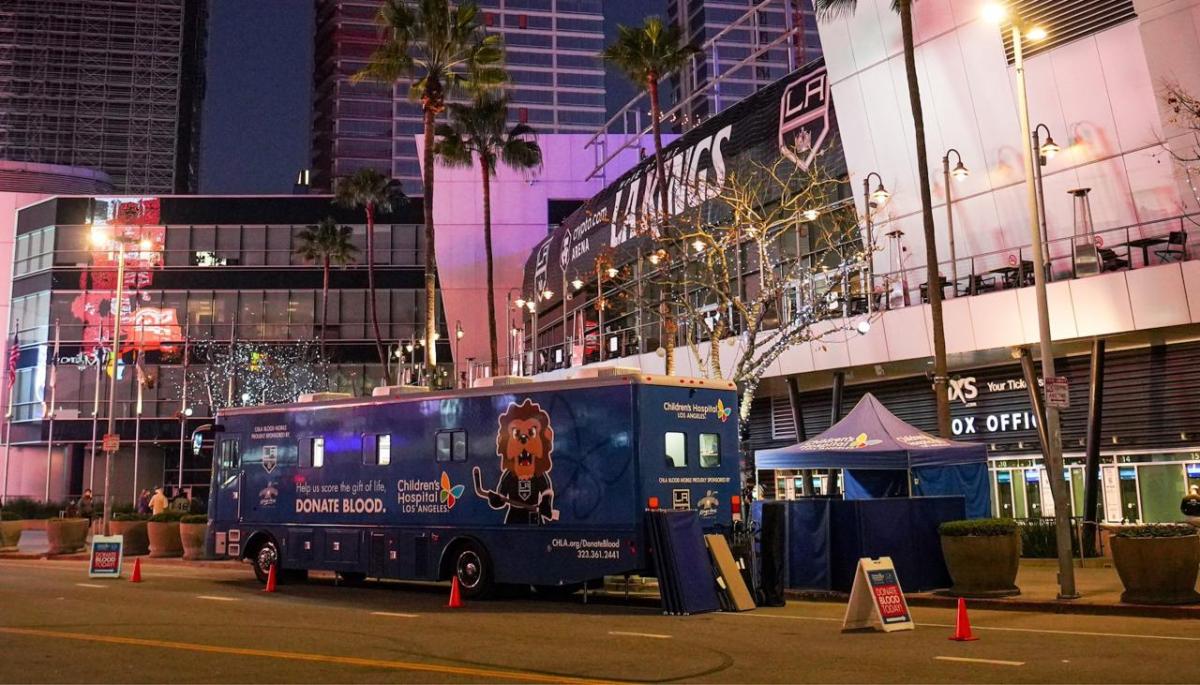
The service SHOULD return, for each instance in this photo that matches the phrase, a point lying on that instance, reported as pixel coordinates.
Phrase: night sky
(255, 131)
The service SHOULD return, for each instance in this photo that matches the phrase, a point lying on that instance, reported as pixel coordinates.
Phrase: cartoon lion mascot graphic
(524, 443)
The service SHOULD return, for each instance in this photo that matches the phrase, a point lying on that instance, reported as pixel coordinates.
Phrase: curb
(1046, 606)
(146, 560)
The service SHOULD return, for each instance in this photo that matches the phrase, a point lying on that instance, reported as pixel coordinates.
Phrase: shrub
(9, 516)
(128, 516)
(168, 516)
(1157, 530)
(123, 509)
(194, 518)
(24, 508)
(978, 528)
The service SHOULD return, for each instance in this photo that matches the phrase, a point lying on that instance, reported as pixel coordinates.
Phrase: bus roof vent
(607, 371)
(323, 396)
(398, 390)
(493, 381)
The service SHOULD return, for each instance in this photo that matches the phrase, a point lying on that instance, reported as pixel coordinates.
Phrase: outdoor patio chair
(1176, 249)
(1109, 261)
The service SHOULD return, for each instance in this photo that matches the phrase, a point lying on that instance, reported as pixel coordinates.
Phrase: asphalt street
(191, 624)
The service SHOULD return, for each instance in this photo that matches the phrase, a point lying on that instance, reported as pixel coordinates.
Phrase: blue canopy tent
(879, 454)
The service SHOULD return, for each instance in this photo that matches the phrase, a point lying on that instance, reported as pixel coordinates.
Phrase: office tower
(557, 82)
(113, 85)
(746, 44)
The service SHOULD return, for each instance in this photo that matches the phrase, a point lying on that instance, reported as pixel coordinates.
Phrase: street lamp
(959, 172)
(1054, 465)
(871, 198)
(1045, 152)
(103, 239)
(458, 336)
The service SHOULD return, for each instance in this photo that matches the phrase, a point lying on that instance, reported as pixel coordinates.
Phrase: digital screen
(1128, 473)
(1003, 477)
(1032, 475)
(1193, 470)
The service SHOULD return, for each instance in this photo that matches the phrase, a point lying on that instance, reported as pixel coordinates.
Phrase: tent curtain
(967, 480)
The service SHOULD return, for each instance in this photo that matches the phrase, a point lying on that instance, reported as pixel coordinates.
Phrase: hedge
(978, 528)
(168, 516)
(195, 518)
(1156, 530)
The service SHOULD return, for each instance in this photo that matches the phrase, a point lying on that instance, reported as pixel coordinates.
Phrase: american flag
(48, 391)
(14, 356)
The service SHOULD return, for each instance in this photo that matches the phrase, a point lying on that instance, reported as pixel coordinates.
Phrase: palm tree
(834, 8)
(480, 130)
(646, 54)
(328, 244)
(441, 51)
(374, 192)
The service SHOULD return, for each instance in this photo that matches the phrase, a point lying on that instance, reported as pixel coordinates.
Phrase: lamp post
(458, 336)
(959, 173)
(101, 238)
(1053, 446)
(1045, 152)
(871, 199)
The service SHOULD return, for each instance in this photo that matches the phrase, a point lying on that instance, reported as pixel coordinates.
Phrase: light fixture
(612, 272)
(400, 351)
(531, 306)
(995, 12)
(100, 237)
(458, 331)
(1049, 148)
(520, 302)
(811, 214)
(960, 171)
(654, 258)
(547, 294)
(880, 195)
(863, 327)
(437, 336)
(245, 397)
(698, 245)
(577, 284)
(187, 411)
(1036, 33)
(409, 347)
(145, 244)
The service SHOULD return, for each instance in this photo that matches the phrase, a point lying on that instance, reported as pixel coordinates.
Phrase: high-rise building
(745, 45)
(557, 82)
(113, 85)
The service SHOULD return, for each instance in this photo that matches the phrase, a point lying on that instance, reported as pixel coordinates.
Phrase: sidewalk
(1099, 588)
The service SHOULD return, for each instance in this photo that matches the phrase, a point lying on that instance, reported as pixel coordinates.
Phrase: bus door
(228, 479)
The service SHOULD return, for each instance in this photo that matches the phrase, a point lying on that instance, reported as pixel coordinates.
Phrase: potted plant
(163, 531)
(1157, 563)
(132, 527)
(10, 530)
(982, 556)
(193, 529)
(66, 535)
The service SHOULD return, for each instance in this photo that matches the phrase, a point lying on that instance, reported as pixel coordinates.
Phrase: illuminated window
(318, 452)
(675, 445)
(710, 450)
(383, 450)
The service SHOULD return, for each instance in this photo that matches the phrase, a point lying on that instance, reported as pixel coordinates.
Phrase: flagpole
(49, 409)
(187, 336)
(96, 408)
(137, 418)
(13, 357)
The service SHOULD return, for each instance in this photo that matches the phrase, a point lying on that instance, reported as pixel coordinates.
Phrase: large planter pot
(1159, 570)
(10, 535)
(66, 535)
(983, 565)
(164, 539)
(192, 535)
(136, 539)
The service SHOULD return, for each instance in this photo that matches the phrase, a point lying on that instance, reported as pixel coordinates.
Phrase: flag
(48, 392)
(14, 356)
(141, 378)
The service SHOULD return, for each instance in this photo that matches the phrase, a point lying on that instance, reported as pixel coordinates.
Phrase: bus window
(229, 454)
(443, 447)
(383, 449)
(452, 446)
(710, 450)
(318, 452)
(676, 449)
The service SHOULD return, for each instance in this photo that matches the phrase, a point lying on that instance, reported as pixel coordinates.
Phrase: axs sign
(804, 115)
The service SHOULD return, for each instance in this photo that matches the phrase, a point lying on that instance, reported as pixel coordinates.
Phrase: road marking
(485, 673)
(88, 585)
(1040, 631)
(217, 598)
(656, 636)
(995, 662)
(394, 613)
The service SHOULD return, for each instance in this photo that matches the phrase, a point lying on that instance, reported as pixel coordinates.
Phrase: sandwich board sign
(876, 599)
(106, 557)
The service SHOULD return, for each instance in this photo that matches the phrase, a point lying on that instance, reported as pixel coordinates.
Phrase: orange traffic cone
(137, 571)
(271, 579)
(962, 625)
(455, 595)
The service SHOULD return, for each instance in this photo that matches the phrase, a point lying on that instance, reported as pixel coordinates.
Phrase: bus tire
(265, 554)
(472, 566)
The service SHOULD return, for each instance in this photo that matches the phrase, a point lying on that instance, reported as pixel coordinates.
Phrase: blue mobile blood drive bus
(535, 483)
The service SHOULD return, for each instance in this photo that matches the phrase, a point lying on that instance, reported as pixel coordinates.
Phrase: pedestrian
(158, 503)
(87, 506)
(143, 503)
(1190, 506)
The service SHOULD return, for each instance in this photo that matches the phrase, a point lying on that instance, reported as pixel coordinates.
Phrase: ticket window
(1004, 495)
(1130, 510)
(1033, 493)
(1193, 476)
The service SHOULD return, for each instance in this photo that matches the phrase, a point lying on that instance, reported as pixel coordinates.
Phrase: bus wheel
(266, 556)
(351, 578)
(473, 569)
